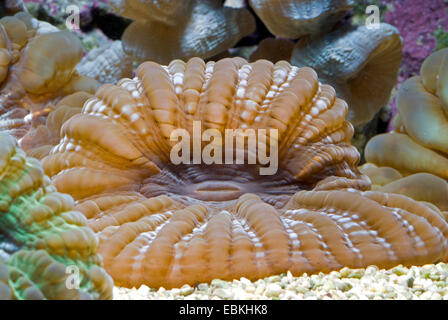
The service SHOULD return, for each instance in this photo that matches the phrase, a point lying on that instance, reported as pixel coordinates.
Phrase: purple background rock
(417, 21)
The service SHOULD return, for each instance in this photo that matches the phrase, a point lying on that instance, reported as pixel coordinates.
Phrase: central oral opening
(220, 183)
(216, 190)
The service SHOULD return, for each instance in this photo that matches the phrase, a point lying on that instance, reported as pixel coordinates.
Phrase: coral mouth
(220, 183)
(217, 191)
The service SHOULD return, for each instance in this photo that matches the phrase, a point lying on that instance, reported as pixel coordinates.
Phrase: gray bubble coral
(162, 224)
(46, 249)
(296, 18)
(418, 186)
(170, 29)
(107, 63)
(37, 69)
(361, 63)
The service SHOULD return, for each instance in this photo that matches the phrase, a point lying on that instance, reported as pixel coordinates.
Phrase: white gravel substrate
(429, 282)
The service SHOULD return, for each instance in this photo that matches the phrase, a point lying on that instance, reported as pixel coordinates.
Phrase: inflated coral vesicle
(42, 238)
(37, 69)
(380, 176)
(361, 63)
(161, 242)
(421, 122)
(418, 186)
(136, 117)
(163, 224)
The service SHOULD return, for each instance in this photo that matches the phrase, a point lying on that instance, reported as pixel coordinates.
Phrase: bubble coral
(296, 18)
(168, 29)
(360, 63)
(421, 123)
(379, 176)
(422, 187)
(162, 224)
(419, 186)
(37, 69)
(41, 236)
(106, 64)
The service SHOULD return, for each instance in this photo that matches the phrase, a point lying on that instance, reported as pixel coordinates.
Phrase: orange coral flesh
(162, 224)
(160, 242)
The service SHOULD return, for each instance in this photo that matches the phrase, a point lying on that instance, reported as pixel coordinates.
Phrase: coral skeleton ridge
(418, 186)
(360, 63)
(106, 64)
(296, 18)
(181, 29)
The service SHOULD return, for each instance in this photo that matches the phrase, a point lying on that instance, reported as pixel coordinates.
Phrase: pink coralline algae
(53, 7)
(417, 22)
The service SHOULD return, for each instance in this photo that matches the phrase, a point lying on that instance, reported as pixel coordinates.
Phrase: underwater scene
(223, 150)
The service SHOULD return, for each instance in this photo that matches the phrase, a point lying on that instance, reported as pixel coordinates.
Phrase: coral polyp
(163, 242)
(38, 141)
(162, 224)
(137, 116)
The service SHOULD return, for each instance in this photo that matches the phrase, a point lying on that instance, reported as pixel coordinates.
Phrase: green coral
(51, 237)
(441, 37)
